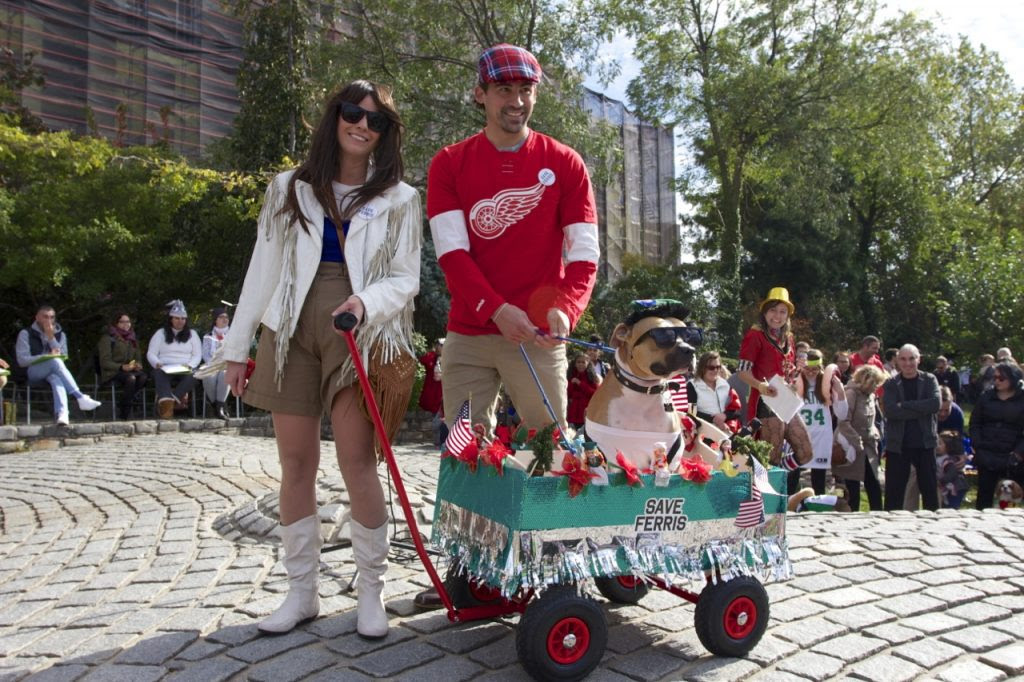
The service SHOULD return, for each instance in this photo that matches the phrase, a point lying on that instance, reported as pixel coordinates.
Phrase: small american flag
(761, 478)
(461, 433)
(680, 397)
(751, 511)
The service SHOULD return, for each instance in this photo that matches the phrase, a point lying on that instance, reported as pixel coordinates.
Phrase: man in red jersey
(514, 223)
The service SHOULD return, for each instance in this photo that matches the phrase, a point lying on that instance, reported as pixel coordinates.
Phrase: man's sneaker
(63, 418)
(85, 403)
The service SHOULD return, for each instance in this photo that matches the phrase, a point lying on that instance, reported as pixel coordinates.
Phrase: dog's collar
(632, 385)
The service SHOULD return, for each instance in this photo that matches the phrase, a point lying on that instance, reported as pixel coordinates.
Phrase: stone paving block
(979, 612)
(198, 651)
(994, 587)
(295, 665)
(59, 673)
(994, 571)
(217, 669)
(156, 649)
(502, 653)
(339, 673)
(859, 617)
(1009, 659)
(954, 594)
(392, 661)
(715, 669)
(970, 670)
(198, 620)
(927, 653)
(819, 582)
(262, 648)
(851, 648)
(911, 604)
(1012, 602)
(808, 632)
(847, 596)
(460, 640)
(625, 638)
(978, 638)
(58, 643)
(893, 586)
(795, 609)
(933, 623)
(886, 668)
(894, 633)
(235, 635)
(653, 665)
(449, 668)
(811, 664)
(354, 645)
(770, 649)
(126, 673)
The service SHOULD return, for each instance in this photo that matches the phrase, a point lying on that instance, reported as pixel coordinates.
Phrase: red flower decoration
(470, 455)
(579, 478)
(696, 470)
(495, 454)
(627, 466)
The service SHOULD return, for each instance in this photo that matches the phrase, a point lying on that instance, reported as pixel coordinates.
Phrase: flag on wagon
(751, 511)
(461, 433)
(761, 478)
(678, 394)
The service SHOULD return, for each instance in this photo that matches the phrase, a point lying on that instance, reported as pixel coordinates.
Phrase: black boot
(218, 409)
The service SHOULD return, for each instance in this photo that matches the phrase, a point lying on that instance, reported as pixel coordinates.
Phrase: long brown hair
(324, 159)
(819, 388)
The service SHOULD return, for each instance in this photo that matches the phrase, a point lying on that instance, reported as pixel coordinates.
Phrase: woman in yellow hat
(767, 351)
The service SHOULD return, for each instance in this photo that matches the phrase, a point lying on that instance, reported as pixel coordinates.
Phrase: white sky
(996, 24)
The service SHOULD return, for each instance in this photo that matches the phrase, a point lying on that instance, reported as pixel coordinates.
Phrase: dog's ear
(619, 335)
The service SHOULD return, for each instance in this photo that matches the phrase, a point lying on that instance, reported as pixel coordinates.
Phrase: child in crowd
(582, 383)
(949, 463)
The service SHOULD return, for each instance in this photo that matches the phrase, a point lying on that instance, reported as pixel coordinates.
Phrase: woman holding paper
(174, 351)
(340, 233)
(767, 355)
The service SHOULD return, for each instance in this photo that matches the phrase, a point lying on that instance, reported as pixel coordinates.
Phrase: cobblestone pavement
(151, 558)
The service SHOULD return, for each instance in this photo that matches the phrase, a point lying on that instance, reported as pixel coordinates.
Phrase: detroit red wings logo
(490, 217)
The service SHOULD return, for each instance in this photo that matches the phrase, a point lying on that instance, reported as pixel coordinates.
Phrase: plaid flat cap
(503, 63)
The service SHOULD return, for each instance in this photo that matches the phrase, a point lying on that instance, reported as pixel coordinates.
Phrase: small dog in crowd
(628, 411)
(1009, 493)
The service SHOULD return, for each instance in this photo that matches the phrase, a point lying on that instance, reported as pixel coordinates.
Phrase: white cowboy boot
(301, 541)
(370, 548)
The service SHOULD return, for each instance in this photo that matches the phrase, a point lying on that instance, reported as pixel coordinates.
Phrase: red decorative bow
(495, 454)
(696, 469)
(470, 455)
(579, 478)
(627, 466)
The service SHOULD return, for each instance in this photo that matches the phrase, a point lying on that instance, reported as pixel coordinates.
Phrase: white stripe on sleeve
(581, 242)
(449, 232)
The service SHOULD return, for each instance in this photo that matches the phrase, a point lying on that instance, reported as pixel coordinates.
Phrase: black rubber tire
(723, 616)
(548, 623)
(619, 591)
(465, 592)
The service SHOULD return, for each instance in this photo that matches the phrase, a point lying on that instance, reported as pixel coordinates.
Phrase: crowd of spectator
(173, 354)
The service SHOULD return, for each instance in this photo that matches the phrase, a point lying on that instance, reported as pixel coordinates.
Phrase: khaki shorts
(477, 365)
(315, 353)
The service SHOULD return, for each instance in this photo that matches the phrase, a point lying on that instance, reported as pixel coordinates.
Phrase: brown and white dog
(628, 411)
(1009, 493)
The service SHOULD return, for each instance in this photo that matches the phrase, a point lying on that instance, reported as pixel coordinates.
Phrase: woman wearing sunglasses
(997, 432)
(767, 350)
(340, 233)
(716, 401)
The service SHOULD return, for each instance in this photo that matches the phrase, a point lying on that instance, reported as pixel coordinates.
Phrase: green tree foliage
(856, 162)
(274, 82)
(91, 228)
(16, 74)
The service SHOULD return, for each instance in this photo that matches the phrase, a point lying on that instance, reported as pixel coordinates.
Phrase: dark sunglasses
(713, 368)
(665, 337)
(353, 113)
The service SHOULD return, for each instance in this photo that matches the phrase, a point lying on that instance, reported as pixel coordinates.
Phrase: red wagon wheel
(562, 635)
(731, 617)
(621, 589)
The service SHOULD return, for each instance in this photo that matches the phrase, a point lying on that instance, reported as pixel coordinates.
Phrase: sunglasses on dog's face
(353, 113)
(665, 337)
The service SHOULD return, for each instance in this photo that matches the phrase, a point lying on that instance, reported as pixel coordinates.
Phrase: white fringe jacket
(382, 252)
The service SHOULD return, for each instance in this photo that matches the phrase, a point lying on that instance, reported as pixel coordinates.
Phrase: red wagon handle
(346, 322)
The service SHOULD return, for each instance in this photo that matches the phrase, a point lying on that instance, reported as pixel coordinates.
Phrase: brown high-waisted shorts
(315, 353)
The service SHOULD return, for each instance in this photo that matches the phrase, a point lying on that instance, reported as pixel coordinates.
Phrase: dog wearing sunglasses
(631, 411)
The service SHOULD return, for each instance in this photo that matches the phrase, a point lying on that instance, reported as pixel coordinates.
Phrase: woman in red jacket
(583, 382)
